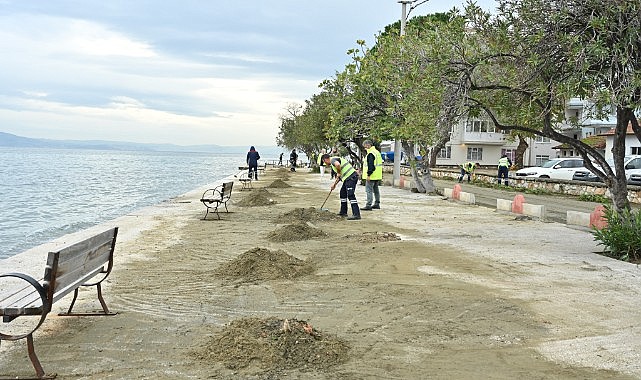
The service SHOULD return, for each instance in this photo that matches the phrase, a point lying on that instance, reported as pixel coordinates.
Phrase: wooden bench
(245, 180)
(66, 270)
(213, 198)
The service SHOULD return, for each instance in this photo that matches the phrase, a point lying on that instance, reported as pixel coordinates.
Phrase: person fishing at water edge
(346, 173)
(372, 174)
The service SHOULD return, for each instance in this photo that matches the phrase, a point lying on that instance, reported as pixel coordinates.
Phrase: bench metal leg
(102, 302)
(34, 360)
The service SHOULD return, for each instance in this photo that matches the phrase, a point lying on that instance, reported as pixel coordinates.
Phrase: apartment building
(479, 141)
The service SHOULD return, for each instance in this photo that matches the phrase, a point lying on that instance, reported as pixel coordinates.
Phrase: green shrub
(622, 237)
(595, 198)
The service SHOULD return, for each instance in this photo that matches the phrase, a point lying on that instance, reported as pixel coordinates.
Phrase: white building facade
(477, 140)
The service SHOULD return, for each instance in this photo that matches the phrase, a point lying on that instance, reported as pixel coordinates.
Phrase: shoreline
(465, 288)
(33, 260)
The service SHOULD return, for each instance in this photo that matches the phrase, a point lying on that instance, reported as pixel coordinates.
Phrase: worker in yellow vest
(373, 175)
(344, 172)
(467, 169)
(504, 168)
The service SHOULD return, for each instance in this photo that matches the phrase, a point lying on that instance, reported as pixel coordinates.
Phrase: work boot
(354, 218)
(376, 207)
(367, 208)
(342, 215)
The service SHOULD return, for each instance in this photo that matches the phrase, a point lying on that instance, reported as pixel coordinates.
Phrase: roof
(596, 142)
(613, 130)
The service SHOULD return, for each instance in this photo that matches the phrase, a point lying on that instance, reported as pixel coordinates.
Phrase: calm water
(48, 193)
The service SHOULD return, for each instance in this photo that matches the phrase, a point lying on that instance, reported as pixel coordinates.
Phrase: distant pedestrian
(280, 159)
(252, 162)
(344, 172)
(293, 159)
(467, 169)
(504, 168)
(373, 175)
(334, 153)
(321, 165)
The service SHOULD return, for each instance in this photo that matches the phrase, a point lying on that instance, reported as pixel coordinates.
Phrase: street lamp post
(396, 174)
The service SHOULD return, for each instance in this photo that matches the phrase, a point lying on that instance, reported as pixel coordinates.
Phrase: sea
(48, 193)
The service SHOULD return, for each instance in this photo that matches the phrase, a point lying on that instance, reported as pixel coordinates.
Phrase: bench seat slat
(27, 298)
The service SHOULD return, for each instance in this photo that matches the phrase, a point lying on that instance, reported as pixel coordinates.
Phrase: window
(541, 159)
(479, 126)
(635, 150)
(542, 139)
(510, 153)
(475, 154)
(445, 152)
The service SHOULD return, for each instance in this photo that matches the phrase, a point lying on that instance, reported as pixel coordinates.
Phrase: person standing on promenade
(346, 173)
(467, 168)
(293, 159)
(504, 168)
(373, 175)
(252, 162)
(280, 159)
(321, 166)
(334, 153)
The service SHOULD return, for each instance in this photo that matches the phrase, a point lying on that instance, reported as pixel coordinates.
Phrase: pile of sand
(295, 232)
(309, 214)
(259, 264)
(271, 346)
(375, 237)
(279, 184)
(257, 197)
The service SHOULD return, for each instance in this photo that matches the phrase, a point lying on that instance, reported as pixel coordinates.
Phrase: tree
(523, 64)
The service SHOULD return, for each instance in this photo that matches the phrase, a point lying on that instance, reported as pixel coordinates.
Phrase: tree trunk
(520, 152)
(619, 186)
(420, 170)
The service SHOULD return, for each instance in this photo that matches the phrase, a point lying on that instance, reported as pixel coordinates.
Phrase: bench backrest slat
(78, 263)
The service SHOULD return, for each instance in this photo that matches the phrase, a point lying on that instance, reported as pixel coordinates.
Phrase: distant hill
(10, 140)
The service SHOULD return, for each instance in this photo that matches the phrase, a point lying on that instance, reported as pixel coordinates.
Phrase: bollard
(517, 204)
(597, 218)
(456, 192)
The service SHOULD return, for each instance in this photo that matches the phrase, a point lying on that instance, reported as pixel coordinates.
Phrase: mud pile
(259, 264)
(271, 346)
(257, 197)
(309, 214)
(278, 184)
(295, 232)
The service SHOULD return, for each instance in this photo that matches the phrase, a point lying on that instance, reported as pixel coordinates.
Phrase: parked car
(632, 165)
(558, 168)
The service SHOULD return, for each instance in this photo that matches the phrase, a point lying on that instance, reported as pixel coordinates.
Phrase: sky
(184, 72)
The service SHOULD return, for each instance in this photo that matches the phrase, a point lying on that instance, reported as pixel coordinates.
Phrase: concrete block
(503, 205)
(537, 211)
(577, 218)
(467, 197)
(448, 192)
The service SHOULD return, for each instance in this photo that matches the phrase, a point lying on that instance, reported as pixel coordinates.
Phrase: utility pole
(396, 180)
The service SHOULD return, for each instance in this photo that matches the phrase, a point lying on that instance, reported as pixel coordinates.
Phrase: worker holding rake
(346, 173)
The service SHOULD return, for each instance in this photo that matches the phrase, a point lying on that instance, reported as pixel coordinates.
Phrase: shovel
(321, 207)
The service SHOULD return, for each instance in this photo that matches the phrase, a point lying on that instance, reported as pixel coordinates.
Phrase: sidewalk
(467, 292)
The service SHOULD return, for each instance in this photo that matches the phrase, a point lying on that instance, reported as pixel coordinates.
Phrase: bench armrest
(10, 313)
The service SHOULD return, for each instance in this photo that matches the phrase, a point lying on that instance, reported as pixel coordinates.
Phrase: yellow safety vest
(346, 168)
(378, 163)
(468, 166)
(503, 161)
